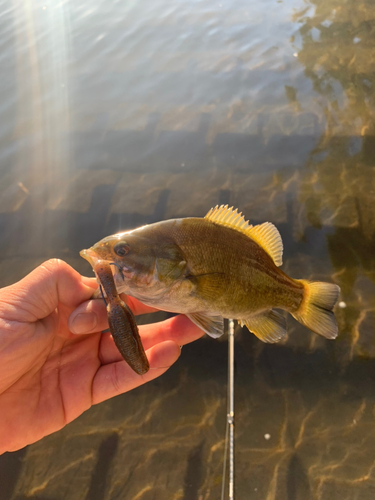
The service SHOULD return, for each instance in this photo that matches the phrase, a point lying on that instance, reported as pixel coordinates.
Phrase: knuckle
(56, 266)
(52, 265)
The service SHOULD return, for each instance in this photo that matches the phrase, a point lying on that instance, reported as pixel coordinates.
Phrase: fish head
(143, 263)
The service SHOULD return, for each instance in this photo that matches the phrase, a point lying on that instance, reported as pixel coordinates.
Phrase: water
(115, 114)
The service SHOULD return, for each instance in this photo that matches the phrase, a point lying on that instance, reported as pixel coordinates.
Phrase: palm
(57, 370)
(48, 375)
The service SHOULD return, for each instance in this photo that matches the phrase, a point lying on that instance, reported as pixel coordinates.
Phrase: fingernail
(84, 323)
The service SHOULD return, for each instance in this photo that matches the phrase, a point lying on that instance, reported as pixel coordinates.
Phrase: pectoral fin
(167, 268)
(208, 286)
(269, 327)
(212, 325)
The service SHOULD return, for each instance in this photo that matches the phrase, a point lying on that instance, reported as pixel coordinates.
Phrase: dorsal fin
(228, 217)
(266, 235)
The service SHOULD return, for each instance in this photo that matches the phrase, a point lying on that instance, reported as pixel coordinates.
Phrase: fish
(216, 267)
(121, 320)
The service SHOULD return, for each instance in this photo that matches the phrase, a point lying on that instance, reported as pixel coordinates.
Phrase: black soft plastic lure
(122, 323)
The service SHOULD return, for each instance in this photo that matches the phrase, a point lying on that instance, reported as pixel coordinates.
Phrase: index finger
(178, 329)
(91, 315)
(136, 306)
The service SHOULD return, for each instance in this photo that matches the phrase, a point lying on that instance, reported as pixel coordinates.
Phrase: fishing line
(102, 294)
(229, 431)
(119, 268)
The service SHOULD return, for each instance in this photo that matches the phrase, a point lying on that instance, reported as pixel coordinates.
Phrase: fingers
(40, 292)
(91, 282)
(116, 378)
(88, 317)
(91, 316)
(136, 306)
(178, 329)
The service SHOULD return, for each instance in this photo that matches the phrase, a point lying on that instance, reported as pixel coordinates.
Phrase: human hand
(51, 371)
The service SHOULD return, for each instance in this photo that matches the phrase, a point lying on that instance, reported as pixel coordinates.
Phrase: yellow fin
(228, 217)
(315, 312)
(266, 235)
(269, 326)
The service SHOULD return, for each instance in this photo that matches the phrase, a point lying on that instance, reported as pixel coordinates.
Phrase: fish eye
(121, 248)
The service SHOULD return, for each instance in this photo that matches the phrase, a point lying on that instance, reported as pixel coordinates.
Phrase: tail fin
(315, 311)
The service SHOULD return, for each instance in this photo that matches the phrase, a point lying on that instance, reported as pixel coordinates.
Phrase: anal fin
(269, 326)
(212, 325)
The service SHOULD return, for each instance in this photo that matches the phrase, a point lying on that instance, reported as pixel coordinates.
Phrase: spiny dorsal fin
(266, 235)
(228, 217)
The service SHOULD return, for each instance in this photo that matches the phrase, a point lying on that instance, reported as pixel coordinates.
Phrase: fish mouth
(91, 256)
(93, 259)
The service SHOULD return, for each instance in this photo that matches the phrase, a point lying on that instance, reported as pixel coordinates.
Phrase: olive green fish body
(216, 267)
(223, 272)
(122, 323)
(231, 273)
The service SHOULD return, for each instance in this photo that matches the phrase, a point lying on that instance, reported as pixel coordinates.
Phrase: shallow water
(115, 114)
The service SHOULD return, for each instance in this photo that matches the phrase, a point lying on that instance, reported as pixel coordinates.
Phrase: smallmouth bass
(121, 322)
(216, 267)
